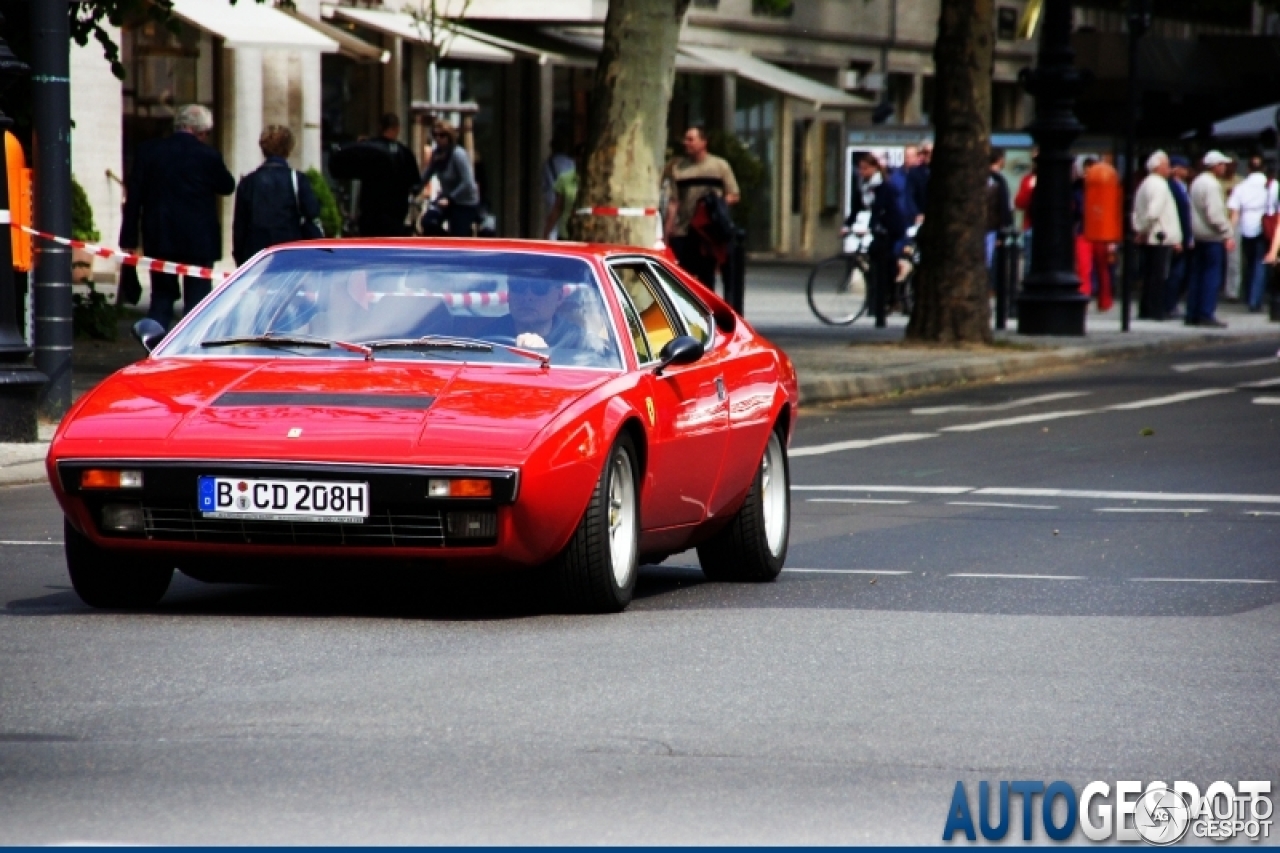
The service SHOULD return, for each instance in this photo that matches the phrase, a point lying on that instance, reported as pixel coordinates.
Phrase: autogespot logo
(1158, 814)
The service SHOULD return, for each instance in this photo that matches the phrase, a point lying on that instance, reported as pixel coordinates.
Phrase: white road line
(845, 572)
(1264, 383)
(855, 501)
(1005, 506)
(1017, 577)
(1260, 512)
(1198, 580)
(1000, 407)
(915, 490)
(1215, 365)
(1024, 419)
(1187, 497)
(29, 542)
(1148, 509)
(1185, 396)
(860, 444)
(1267, 401)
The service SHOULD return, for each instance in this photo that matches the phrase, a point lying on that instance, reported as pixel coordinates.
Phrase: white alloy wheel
(622, 518)
(773, 487)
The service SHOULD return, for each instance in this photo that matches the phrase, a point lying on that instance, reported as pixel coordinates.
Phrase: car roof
(601, 251)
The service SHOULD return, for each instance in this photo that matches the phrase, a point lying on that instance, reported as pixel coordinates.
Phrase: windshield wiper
(446, 342)
(273, 340)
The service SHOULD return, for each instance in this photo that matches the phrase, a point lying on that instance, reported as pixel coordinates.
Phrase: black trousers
(695, 258)
(164, 293)
(1155, 275)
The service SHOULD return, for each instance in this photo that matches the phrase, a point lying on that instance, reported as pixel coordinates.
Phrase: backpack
(711, 218)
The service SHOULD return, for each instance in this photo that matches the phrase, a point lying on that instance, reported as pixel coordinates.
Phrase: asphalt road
(1073, 577)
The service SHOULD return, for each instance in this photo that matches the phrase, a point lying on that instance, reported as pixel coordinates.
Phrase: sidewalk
(835, 364)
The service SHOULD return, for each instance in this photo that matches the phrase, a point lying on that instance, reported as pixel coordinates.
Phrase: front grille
(421, 529)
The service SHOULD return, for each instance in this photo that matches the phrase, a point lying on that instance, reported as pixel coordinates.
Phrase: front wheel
(838, 289)
(597, 572)
(753, 546)
(112, 581)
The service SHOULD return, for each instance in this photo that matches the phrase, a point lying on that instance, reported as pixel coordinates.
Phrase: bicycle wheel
(838, 291)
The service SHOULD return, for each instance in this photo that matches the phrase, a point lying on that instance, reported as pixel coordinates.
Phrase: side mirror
(682, 350)
(148, 332)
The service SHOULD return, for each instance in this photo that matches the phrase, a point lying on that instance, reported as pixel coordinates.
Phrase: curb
(832, 387)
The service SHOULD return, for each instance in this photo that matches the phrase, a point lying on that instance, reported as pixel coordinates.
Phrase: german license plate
(247, 499)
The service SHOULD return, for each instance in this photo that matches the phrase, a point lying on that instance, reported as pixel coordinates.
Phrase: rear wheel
(753, 546)
(113, 581)
(597, 571)
(838, 289)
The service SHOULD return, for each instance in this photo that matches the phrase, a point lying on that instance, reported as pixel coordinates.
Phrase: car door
(687, 405)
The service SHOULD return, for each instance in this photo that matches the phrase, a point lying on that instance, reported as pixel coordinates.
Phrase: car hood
(322, 408)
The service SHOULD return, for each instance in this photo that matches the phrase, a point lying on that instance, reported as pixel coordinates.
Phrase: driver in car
(535, 319)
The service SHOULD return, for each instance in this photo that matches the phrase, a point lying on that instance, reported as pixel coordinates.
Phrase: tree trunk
(628, 124)
(952, 305)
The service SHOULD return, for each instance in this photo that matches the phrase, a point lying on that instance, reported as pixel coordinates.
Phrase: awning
(1248, 125)
(457, 45)
(590, 41)
(252, 25)
(771, 76)
(349, 45)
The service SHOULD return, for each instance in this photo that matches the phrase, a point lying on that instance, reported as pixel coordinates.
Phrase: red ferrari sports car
(441, 403)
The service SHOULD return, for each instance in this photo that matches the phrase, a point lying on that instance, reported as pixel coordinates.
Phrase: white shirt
(1155, 213)
(1250, 199)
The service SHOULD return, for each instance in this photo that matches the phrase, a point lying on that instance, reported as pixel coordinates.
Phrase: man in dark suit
(388, 175)
(172, 198)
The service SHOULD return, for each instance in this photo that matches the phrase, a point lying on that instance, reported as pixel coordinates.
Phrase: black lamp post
(1051, 302)
(19, 382)
(1139, 23)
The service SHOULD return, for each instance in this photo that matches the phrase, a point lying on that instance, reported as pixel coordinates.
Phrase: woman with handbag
(274, 203)
(459, 197)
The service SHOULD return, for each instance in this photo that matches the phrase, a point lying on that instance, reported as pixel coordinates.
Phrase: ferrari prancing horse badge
(648, 401)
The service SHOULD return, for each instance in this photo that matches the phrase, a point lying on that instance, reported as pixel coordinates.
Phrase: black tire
(747, 549)
(112, 581)
(839, 290)
(585, 572)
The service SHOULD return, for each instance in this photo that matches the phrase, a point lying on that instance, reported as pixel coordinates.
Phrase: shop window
(832, 149)
(1006, 23)
(755, 125)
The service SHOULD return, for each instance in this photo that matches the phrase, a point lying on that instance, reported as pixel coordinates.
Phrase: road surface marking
(1017, 577)
(1259, 512)
(1151, 402)
(1215, 365)
(29, 542)
(846, 572)
(1000, 407)
(1267, 401)
(1024, 419)
(1008, 506)
(859, 444)
(1198, 580)
(1147, 509)
(1131, 496)
(1264, 383)
(921, 490)
(855, 501)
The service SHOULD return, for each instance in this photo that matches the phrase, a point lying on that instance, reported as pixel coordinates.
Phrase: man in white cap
(1213, 236)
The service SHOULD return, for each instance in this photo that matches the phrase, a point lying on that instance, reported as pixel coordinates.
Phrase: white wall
(97, 107)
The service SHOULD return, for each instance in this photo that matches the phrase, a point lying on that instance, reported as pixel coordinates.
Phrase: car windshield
(407, 303)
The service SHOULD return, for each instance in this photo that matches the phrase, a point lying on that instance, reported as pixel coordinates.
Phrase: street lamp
(1139, 23)
(1051, 302)
(19, 382)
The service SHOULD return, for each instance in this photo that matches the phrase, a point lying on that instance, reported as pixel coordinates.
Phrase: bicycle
(839, 288)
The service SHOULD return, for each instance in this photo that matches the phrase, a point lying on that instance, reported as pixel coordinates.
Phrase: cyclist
(873, 192)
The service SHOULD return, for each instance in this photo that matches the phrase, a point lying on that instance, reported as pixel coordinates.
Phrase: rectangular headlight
(471, 525)
(123, 518)
(459, 488)
(100, 478)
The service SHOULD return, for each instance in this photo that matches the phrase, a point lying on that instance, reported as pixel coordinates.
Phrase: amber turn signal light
(98, 478)
(460, 489)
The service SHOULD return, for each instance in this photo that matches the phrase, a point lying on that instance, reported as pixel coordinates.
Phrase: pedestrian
(900, 179)
(557, 163)
(918, 180)
(1213, 235)
(274, 203)
(1156, 230)
(1248, 203)
(1022, 203)
(459, 195)
(692, 228)
(873, 193)
(172, 199)
(565, 192)
(388, 174)
(1180, 265)
(999, 209)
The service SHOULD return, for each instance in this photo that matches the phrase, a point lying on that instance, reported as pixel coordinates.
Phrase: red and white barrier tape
(617, 211)
(127, 257)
